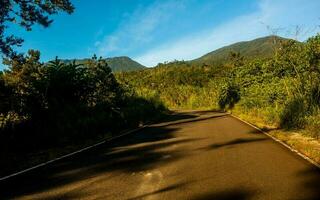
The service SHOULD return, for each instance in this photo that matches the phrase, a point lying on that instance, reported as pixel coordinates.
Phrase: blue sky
(153, 31)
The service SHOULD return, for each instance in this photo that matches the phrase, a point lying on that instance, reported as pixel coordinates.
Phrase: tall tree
(26, 13)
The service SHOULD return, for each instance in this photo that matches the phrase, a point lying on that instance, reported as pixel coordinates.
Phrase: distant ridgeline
(117, 64)
(258, 48)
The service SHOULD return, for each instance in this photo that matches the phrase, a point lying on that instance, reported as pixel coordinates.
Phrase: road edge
(305, 157)
(73, 153)
(142, 127)
(83, 149)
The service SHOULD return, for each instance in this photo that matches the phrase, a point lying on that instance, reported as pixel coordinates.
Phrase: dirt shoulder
(306, 145)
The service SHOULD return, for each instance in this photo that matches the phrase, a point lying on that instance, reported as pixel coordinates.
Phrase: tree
(6, 95)
(237, 60)
(229, 95)
(28, 84)
(26, 13)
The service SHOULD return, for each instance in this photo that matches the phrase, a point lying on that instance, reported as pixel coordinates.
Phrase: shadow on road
(137, 152)
(230, 194)
(197, 119)
(141, 151)
(311, 182)
(165, 189)
(184, 115)
(177, 116)
(233, 143)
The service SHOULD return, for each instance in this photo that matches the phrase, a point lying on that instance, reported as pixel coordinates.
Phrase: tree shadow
(311, 181)
(178, 122)
(61, 196)
(229, 194)
(173, 116)
(137, 152)
(169, 188)
(165, 189)
(233, 143)
(198, 112)
(264, 129)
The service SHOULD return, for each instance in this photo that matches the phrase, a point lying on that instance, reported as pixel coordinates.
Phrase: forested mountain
(123, 63)
(117, 64)
(258, 48)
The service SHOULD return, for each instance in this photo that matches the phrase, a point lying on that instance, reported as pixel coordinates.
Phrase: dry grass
(255, 117)
(298, 140)
(304, 144)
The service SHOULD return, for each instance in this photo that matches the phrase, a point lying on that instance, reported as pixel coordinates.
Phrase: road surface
(194, 155)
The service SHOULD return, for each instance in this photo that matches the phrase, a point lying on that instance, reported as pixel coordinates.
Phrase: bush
(293, 114)
(229, 95)
(45, 105)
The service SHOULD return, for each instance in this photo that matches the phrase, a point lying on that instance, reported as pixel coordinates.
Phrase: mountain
(123, 63)
(117, 64)
(258, 48)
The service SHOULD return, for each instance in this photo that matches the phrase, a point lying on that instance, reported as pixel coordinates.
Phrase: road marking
(166, 156)
(150, 183)
(92, 146)
(305, 157)
(71, 154)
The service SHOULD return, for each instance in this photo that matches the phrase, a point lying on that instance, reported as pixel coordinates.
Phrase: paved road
(195, 155)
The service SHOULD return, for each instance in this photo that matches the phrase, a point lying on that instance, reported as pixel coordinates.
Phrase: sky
(154, 31)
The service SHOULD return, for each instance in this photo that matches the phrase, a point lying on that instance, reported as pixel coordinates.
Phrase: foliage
(261, 48)
(117, 64)
(283, 89)
(229, 95)
(293, 114)
(58, 104)
(26, 13)
(49, 104)
(178, 84)
(44, 104)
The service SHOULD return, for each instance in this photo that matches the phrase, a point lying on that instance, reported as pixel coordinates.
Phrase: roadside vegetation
(279, 92)
(50, 109)
(50, 105)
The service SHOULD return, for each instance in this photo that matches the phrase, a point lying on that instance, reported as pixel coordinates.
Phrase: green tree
(28, 83)
(229, 95)
(6, 95)
(26, 13)
(237, 60)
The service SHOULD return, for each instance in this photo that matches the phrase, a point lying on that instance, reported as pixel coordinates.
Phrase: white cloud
(136, 29)
(276, 14)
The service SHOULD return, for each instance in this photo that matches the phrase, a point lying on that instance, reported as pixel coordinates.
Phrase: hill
(123, 63)
(117, 64)
(258, 48)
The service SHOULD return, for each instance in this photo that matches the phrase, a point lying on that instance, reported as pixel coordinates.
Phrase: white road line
(89, 147)
(71, 154)
(150, 183)
(279, 141)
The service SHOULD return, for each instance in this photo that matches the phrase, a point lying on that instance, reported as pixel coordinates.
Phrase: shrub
(313, 125)
(229, 95)
(293, 114)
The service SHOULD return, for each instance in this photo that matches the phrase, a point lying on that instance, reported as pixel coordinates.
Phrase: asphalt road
(194, 155)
